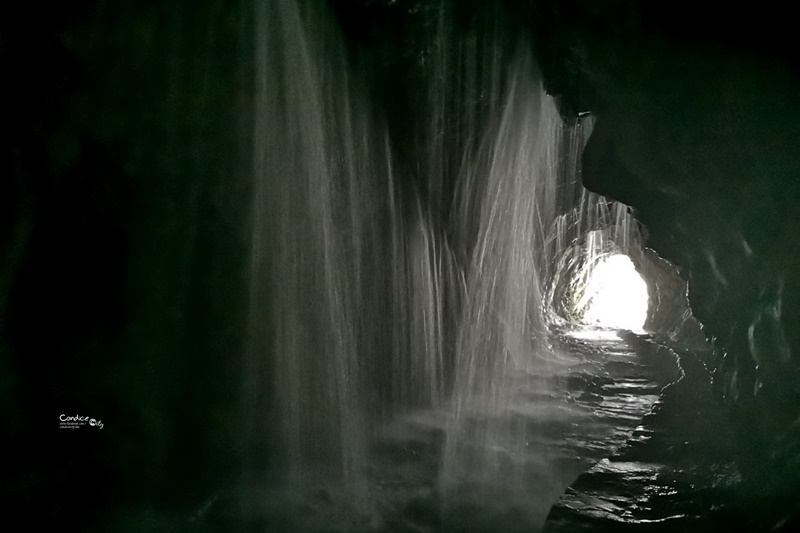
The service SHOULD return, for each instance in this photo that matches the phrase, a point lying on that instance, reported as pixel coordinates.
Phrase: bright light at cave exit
(616, 295)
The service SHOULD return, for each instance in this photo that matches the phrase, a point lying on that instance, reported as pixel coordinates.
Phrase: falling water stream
(409, 366)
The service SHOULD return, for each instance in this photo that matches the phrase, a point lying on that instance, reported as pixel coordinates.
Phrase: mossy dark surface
(123, 255)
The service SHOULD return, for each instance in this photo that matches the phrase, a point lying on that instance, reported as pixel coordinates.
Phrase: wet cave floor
(631, 438)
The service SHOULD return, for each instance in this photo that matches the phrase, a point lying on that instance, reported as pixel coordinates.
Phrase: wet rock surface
(696, 130)
(606, 389)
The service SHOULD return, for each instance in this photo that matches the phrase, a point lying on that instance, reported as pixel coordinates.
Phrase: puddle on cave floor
(610, 413)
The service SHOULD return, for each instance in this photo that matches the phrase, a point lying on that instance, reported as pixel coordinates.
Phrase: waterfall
(315, 194)
(507, 201)
(348, 268)
(376, 291)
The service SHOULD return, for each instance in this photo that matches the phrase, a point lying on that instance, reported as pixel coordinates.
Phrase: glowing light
(591, 334)
(615, 295)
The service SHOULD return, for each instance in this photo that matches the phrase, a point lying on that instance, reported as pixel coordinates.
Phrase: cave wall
(697, 130)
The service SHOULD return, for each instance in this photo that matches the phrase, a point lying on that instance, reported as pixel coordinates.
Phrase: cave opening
(615, 295)
(606, 295)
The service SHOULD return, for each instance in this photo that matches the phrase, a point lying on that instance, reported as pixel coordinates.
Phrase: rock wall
(697, 130)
